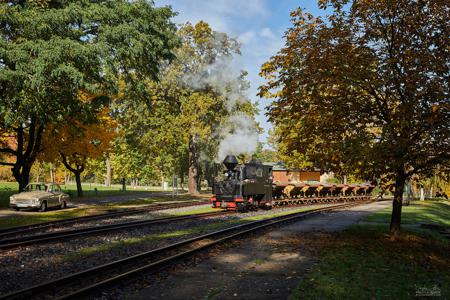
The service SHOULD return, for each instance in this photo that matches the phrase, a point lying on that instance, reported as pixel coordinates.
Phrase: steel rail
(241, 229)
(38, 226)
(88, 231)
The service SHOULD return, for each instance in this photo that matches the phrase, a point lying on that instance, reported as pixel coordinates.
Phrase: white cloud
(217, 12)
(267, 33)
(247, 37)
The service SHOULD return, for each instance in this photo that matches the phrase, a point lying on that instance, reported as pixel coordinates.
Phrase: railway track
(92, 281)
(25, 240)
(13, 231)
(74, 233)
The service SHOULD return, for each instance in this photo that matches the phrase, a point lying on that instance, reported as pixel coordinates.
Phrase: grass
(430, 212)
(213, 292)
(54, 215)
(194, 210)
(125, 243)
(39, 217)
(367, 262)
(89, 191)
(7, 189)
(156, 199)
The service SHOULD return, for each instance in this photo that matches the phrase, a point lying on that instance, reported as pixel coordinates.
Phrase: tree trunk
(52, 174)
(193, 169)
(397, 203)
(77, 170)
(78, 180)
(182, 181)
(108, 172)
(22, 176)
(124, 186)
(28, 147)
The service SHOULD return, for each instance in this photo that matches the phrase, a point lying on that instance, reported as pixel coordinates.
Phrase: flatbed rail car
(250, 186)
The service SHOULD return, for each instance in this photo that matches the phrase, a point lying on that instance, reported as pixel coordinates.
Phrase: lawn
(161, 198)
(54, 215)
(89, 190)
(6, 190)
(366, 262)
(429, 212)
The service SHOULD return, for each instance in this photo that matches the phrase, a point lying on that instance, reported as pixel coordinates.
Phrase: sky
(259, 25)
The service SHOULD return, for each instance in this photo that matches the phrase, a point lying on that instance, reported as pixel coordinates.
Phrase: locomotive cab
(245, 187)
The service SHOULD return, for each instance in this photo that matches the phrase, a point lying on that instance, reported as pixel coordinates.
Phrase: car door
(58, 193)
(52, 198)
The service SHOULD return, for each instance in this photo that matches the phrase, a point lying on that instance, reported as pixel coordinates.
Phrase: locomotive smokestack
(230, 162)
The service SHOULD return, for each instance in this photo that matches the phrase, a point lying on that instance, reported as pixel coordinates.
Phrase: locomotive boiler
(245, 187)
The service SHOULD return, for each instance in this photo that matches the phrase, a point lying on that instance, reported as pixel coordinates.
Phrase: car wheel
(43, 206)
(16, 208)
(63, 205)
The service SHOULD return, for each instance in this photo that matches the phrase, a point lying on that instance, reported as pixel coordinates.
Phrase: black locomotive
(251, 186)
(245, 187)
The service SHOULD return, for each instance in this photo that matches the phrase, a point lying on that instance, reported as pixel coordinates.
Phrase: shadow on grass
(366, 262)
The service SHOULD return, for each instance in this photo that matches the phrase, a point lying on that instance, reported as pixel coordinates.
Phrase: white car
(41, 196)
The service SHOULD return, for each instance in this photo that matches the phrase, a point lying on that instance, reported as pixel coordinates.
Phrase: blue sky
(259, 25)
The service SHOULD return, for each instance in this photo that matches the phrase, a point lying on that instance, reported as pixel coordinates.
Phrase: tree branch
(66, 163)
(8, 150)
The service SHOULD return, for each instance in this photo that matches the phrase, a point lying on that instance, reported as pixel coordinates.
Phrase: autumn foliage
(75, 142)
(365, 90)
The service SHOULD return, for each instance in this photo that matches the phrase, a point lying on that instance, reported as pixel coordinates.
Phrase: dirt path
(268, 267)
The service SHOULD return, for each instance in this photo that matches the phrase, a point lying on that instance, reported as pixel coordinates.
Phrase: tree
(74, 143)
(52, 49)
(266, 155)
(129, 162)
(365, 90)
(178, 124)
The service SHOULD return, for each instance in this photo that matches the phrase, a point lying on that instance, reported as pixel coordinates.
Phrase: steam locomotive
(251, 186)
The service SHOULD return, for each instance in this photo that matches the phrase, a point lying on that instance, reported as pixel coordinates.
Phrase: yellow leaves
(435, 108)
(42, 4)
(202, 32)
(86, 97)
(75, 138)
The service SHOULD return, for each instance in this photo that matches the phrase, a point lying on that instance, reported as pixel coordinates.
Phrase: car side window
(50, 188)
(56, 188)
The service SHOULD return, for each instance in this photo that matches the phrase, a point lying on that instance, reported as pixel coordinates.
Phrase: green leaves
(52, 53)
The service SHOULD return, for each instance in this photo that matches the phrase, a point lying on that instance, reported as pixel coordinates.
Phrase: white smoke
(240, 136)
(224, 77)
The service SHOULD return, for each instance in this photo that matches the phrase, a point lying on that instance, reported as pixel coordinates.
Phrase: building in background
(283, 174)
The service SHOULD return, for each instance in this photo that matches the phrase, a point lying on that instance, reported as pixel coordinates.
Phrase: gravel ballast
(26, 266)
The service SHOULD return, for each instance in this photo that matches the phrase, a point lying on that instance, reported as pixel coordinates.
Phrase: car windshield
(35, 187)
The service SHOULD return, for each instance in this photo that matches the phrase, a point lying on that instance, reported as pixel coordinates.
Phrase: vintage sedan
(40, 196)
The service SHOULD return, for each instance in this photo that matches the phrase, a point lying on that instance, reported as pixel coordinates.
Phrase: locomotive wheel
(267, 207)
(242, 208)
